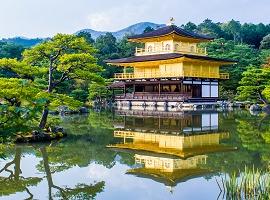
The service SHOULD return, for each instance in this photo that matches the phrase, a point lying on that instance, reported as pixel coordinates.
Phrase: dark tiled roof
(167, 56)
(119, 84)
(171, 29)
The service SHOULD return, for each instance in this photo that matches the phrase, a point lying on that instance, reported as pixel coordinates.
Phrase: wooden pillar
(124, 90)
(133, 88)
(158, 89)
(192, 90)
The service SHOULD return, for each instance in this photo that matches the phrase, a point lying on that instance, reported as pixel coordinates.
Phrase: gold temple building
(171, 70)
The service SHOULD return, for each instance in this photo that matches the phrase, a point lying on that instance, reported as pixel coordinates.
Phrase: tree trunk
(44, 117)
(45, 113)
(50, 77)
(17, 159)
(47, 170)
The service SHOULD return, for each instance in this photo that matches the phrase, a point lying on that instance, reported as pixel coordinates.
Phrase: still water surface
(127, 156)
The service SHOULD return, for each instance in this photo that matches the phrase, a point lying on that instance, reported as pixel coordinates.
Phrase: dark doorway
(196, 91)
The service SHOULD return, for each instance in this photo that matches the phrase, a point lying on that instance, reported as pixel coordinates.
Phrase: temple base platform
(166, 105)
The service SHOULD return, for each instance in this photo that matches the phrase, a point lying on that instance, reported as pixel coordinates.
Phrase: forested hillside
(24, 42)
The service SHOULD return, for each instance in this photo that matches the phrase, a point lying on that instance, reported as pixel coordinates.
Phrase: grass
(252, 184)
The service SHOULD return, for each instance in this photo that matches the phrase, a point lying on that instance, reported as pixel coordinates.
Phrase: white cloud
(120, 16)
(98, 21)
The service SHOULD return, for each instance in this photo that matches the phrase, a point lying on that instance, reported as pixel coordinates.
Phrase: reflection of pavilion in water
(171, 150)
(183, 137)
(184, 123)
(169, 171)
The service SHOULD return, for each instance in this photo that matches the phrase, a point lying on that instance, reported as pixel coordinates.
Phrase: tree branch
(58, 53)
(261, 97)
(30, 194)
(64, 77)
(6, 166)
(44, 54)
(62, 191)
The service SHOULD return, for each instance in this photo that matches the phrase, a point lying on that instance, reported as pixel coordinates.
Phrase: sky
(45, 18)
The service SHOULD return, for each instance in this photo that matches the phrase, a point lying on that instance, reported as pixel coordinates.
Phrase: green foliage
(20, 105)
(226, 94)
(9, 50)
(265, 57)
(82, 191)
(189, 26)
(79, 94)
(106, 44)
(24, 42)
(251, 184)
(63, 99)
(265, 43)
(253, 33)
(87, 36)
(248, 33)
(107, 49)
(97, 91)
(20, 69)
(254, 132)
(126, 48)
(233, 30)
(35, 79)
(66, 58)
(254, 84)
(266, 91)
(9, 187)
(79, 66)
(208, 28)
(243, 54)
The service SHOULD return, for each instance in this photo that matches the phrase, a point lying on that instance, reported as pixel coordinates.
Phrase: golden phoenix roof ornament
(171, 21)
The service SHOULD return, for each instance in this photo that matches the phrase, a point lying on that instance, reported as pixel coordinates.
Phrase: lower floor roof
(167, 56)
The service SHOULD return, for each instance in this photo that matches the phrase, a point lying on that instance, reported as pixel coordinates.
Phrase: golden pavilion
(171, 70)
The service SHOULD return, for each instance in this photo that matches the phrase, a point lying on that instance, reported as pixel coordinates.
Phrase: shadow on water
(168, 150)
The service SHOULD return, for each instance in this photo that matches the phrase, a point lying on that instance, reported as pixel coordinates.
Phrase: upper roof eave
(167, 31)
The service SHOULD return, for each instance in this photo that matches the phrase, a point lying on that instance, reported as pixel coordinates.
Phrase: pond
(137, 155)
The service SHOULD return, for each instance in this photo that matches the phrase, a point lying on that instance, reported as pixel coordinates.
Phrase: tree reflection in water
(81, 191)
(14, 182)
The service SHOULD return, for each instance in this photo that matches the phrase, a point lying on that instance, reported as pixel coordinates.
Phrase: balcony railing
(183, 49)
(122, 76)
